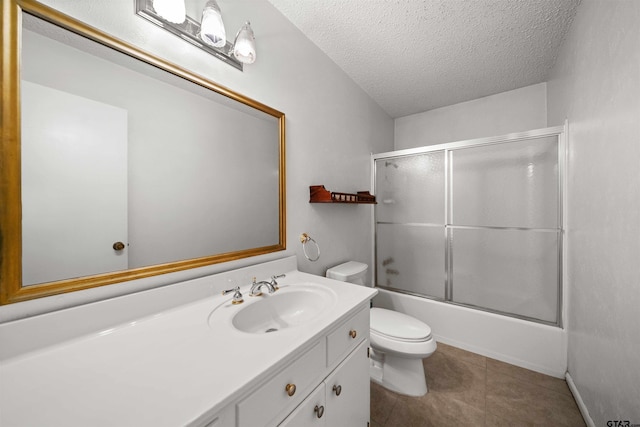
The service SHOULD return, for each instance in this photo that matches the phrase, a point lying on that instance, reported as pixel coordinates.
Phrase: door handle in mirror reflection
(353, 333)
(118, 246)
(290, 389)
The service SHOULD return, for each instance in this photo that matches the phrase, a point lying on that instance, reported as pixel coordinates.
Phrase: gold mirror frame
(11, 289)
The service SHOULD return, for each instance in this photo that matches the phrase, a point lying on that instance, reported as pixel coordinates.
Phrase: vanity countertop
(171, 368)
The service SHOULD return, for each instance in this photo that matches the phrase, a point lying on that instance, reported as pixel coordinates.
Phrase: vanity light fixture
(209, 34)
(172, 10)
(212, 28)
(244, 47)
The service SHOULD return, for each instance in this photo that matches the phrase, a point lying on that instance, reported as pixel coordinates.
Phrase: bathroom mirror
(117, 165)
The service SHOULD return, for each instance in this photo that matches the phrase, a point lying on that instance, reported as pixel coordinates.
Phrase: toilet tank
(352, 272)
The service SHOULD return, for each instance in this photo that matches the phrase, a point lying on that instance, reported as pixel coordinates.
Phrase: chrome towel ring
(304, 239)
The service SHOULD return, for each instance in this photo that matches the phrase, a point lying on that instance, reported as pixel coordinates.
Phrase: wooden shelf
(319, 194)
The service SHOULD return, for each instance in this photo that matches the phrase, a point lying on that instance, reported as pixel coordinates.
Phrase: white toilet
(399, 342)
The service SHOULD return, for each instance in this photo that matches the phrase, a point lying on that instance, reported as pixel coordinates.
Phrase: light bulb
(212, 28)
(171, 10)
(244, 48)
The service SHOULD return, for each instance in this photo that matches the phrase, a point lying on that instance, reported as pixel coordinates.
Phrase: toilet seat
(399, 334)
(400, 348)
(398, 326)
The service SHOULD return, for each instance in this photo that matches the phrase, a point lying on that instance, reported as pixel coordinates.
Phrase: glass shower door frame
(448, 149)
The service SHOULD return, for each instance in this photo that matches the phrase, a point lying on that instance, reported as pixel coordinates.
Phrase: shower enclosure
(476, 223)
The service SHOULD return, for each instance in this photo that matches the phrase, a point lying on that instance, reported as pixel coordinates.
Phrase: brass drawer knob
(290, 389)
(352, 333)
(337, 389)
(118, 246)
(319, 410)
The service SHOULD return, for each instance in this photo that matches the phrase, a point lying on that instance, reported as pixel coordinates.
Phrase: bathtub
(530, 345)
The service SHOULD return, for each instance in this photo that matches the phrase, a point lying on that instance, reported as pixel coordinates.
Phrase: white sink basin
(288, 307)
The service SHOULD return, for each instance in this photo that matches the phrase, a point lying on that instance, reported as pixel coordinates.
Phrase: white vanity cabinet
(184, 362)
(328, 385)
(278, 396)
(347, 391)
(341, 400)
(310, 413)
(224, 418)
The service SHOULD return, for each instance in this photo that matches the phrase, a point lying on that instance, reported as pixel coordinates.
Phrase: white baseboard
(501, 356)
(576, 395)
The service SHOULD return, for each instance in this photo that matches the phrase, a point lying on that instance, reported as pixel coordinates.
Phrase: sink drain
(271, 330)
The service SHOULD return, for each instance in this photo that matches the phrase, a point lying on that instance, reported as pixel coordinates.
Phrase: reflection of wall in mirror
(74, 208)
(187, 187)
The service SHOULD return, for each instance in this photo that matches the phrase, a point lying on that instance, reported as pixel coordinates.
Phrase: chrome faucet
(272, 285)
(256, 286)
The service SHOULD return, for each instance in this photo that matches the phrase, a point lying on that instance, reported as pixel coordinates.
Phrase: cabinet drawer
(306, 415)
(271, 399)
(348, 335)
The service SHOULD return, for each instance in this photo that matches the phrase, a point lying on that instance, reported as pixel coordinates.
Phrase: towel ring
(304, 239)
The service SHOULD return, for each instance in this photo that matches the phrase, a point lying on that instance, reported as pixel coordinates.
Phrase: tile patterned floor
(466, 389)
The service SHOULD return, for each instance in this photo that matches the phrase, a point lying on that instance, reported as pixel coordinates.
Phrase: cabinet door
(347, 390)
(310, 413)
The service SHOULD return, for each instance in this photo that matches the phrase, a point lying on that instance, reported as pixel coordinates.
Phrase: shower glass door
(410, 223)
(503, 227)
(477, 223)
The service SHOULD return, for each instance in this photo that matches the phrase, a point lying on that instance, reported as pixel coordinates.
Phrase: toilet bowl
(399, 342)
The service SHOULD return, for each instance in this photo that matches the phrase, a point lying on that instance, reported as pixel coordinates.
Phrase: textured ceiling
(412, 56)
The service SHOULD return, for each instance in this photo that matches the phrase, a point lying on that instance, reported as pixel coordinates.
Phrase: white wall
(507, 112)
(332, 127)
(596, 85)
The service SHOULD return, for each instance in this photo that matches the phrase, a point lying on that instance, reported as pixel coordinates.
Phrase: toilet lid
(398, 325)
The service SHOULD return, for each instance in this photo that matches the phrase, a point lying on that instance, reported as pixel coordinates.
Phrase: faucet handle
(255, 289)
(274, 282)
(237, 296)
